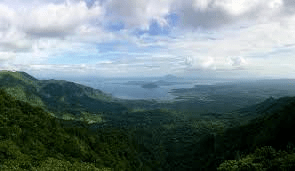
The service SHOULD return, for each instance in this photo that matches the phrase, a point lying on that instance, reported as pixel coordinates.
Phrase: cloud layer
(149, 37)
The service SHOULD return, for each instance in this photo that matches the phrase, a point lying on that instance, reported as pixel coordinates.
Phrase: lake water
(119, 89)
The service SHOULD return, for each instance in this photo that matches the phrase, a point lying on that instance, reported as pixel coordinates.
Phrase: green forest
(36, 136)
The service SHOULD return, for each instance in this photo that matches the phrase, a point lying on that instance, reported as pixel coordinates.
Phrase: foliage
(57, 96)
(32, 138)
(260, 137)
(264, 158)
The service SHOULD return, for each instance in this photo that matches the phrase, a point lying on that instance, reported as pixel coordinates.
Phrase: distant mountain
(58, 96)
(169, 77)
(153, 84)
(135, 83)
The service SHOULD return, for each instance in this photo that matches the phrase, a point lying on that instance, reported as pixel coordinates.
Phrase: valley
(203, 127)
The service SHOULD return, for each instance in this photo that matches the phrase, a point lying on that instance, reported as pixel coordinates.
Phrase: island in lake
(149, 85)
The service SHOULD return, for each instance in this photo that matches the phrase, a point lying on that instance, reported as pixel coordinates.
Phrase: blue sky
(122, 38)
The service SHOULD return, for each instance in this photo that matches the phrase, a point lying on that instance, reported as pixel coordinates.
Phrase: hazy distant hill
(166, 80)
(170, 77)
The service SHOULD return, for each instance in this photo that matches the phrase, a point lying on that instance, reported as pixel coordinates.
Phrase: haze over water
(119, 88)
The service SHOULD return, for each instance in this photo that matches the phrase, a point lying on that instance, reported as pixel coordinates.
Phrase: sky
(141, 38)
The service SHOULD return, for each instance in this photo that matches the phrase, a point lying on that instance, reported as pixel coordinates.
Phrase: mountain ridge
(58, 95)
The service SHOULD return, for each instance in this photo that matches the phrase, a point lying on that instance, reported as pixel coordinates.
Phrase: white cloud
(208, 63)
(226, 35)
(135, 13)
(6, 56)
(14, 40)
(275, 4)
(212, 14)
(201, 4)
(91, 34)
(200, 63)
(7, 15)
(237, 7)
(237, 61)
(58, 20)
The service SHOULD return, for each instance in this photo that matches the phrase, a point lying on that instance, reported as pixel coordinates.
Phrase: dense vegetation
(265, 142)
(57, 96)
(264, 158)
(32, 139)
(258, 137)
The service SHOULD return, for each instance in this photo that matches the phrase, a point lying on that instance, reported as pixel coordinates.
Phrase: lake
(121, 88)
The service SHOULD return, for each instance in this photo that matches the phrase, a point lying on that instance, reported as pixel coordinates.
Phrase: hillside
(58, 96)
(264, 142)
(31, 139)
(158, 139)
(211, 139)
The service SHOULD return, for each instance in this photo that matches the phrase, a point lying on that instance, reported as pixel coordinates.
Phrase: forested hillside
(31, 138)
(266, 142)
(59, 97)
